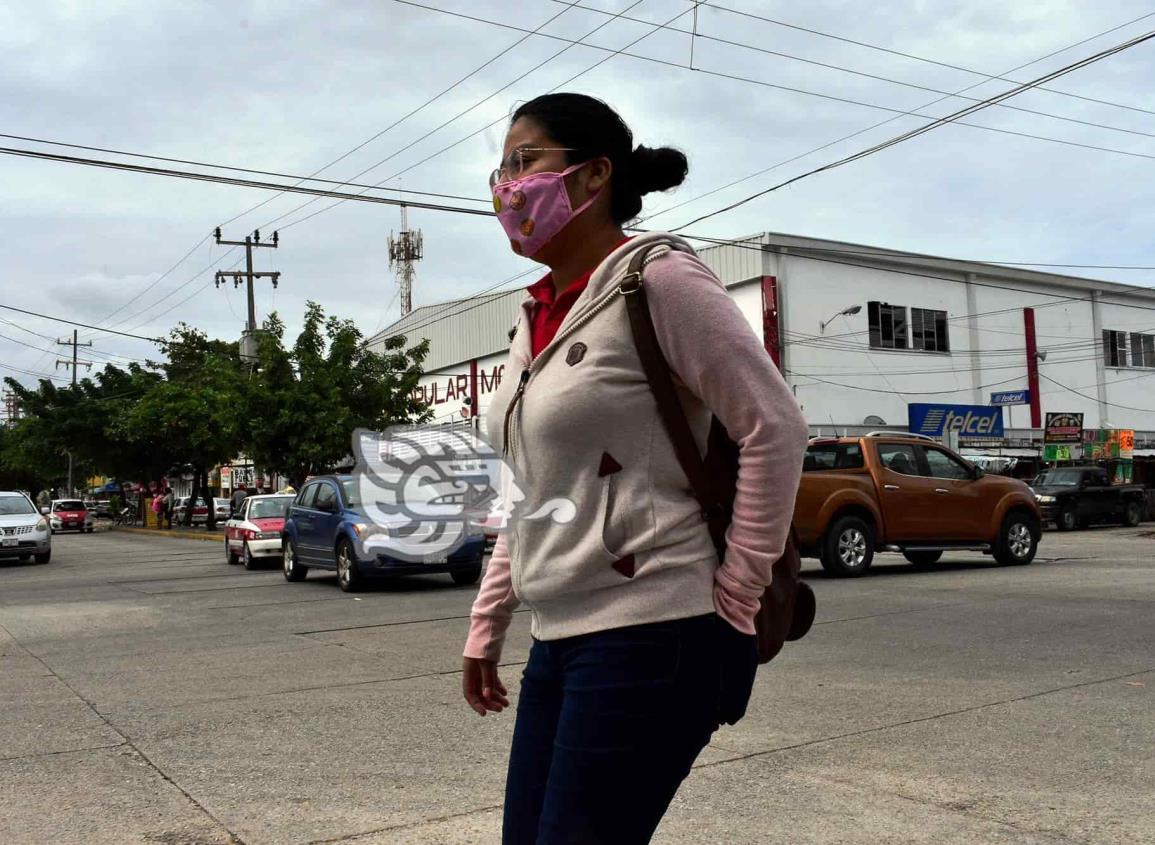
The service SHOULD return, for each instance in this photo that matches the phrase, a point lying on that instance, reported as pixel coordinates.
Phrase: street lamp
(845, 312)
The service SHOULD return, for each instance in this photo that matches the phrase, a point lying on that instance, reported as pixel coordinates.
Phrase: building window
(1142, 350)
(928, 330)
(1115, 348)
(887, 325)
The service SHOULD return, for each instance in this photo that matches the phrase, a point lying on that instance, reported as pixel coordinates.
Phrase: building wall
(838, 378)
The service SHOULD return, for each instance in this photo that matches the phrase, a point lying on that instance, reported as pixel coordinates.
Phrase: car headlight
(359, 528)
(1045, 500)
(42, 525)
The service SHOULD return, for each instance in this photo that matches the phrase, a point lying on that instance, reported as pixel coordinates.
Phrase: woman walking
(642, 640)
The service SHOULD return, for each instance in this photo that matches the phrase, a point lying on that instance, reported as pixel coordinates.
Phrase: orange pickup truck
(896, 492)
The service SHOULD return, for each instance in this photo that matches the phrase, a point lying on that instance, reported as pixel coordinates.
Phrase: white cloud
(289, 86)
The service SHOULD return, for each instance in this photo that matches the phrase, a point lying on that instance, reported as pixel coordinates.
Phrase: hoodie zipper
(510, 426)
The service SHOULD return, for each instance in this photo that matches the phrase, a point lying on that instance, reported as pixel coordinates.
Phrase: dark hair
(594, 130)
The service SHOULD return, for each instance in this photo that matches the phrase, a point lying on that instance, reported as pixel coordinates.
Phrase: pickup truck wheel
(1068, 519)
(848, 549)
(922, 558)
(1133, 515)
(1018, 539)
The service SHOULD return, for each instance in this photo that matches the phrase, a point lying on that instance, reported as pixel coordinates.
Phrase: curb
(166, 532)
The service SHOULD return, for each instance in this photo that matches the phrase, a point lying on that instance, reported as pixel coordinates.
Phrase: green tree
(86, 420)
(304, 402)
(193, 415)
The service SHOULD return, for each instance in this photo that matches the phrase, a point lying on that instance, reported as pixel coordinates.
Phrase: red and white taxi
(69, 515)
(254, 532)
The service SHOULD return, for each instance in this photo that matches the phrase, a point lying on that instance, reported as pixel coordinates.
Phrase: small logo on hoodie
(576, 353)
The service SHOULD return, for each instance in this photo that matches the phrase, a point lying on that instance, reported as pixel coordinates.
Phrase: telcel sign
(1011, 397)
(972, 422)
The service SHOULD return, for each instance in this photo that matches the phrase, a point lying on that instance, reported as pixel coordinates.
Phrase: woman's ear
(599, 172)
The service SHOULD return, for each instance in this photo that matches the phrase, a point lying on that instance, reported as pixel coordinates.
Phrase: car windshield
(270, 508)
(69, 505)
(13, 505)
(1058, 478)
(352, 492)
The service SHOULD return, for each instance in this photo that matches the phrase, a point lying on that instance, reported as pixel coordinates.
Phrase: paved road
(150, 693)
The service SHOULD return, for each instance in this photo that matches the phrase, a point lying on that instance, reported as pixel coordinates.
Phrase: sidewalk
(181, 532)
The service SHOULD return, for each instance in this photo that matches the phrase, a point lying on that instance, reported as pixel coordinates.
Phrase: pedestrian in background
(169, 505)
(643, 642)
(239, 495)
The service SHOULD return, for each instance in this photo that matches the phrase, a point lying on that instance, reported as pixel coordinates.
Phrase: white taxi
(254, 533)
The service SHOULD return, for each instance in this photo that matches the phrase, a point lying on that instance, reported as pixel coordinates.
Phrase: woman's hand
(483, 689)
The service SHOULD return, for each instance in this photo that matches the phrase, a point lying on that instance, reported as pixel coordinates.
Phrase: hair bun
(657, 169)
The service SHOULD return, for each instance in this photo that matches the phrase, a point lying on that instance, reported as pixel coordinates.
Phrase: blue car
(323, 525)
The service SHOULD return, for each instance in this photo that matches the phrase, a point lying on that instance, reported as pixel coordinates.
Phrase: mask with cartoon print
(533, 209)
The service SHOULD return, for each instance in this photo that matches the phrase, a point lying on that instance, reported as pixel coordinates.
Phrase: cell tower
(404, 249)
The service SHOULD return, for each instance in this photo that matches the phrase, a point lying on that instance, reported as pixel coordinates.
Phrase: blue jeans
(609, 723)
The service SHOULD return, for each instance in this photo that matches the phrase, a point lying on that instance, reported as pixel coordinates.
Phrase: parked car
(903, 493)
(101, 509)
(69, 515)
(223, 509)
(1075, 497)
(200, 511)
(324, 523)
(254, 533)
(24, 531)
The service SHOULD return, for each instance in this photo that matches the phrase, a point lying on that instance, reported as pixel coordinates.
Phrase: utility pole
(248, 338)
(11, 407)
(74, 363)
(404, 249)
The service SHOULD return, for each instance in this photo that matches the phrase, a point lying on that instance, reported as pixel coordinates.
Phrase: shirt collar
(543, 291)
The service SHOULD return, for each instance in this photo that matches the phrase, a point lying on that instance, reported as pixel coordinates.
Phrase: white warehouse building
(861, 333)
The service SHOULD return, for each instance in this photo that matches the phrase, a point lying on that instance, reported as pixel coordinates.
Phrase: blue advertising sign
(1011, 397)
(970, 421)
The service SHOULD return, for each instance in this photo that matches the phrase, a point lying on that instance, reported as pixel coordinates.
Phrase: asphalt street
(150, 693)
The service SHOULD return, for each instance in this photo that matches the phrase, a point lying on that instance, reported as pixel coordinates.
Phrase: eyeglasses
(513, 165)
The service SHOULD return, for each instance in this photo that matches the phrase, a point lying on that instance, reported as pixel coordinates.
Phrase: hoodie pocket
(611, 532)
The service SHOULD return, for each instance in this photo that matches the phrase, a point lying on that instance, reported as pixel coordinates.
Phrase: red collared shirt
(550, 308)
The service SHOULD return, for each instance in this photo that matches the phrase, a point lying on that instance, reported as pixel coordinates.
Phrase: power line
(345, 155)
(231, 167)
(831, 97)
(48, 376)
(905, 393)
(934, 124)
(986, 76)
(75, 323)
(463, 113)
(881, 123)
(852, 71)
(226, 180)
(910, 272)
(501, 54)
(1095, 399)
(173, 292)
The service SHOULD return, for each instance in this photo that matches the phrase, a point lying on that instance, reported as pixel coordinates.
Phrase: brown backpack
(788, 605)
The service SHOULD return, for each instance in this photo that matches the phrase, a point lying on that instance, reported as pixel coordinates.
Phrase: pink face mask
(535, 208)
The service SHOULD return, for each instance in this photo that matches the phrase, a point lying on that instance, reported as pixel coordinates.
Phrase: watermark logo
(427, 490)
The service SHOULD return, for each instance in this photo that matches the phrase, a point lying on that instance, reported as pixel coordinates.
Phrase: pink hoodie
(585, 427)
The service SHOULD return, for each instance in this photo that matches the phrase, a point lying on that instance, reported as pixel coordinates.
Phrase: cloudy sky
(291, 86)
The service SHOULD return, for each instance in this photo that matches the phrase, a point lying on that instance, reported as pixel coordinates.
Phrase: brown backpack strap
(657, 371)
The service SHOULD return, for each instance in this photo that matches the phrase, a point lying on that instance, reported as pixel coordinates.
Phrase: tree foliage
(306, 400)
(200, 407)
